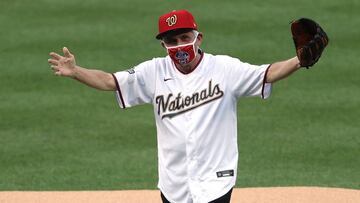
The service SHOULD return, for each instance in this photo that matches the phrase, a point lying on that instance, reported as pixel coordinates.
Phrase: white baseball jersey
(196, 120)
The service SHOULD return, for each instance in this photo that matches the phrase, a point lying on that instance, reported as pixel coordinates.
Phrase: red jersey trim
(264, 81)
(119, 91)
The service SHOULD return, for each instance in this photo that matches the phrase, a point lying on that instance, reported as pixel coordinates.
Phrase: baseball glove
(310, 41)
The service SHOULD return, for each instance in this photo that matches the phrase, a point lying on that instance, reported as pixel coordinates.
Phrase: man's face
(179, 39)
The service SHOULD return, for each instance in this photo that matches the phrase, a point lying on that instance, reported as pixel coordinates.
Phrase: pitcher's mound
(239, 195)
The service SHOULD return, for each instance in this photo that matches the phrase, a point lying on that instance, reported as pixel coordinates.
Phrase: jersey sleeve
(135, 86)
(248, 80)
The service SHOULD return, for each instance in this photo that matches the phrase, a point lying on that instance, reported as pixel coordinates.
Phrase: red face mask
(183, 54)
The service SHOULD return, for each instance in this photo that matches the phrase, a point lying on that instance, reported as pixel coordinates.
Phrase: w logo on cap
(180, 19)
(171, 20)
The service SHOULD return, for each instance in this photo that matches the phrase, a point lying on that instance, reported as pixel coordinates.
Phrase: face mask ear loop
(194, 48)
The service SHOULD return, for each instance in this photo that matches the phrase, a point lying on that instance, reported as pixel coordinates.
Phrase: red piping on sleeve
(119, 91)
(264, 81)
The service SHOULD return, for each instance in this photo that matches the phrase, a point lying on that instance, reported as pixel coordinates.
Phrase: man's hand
(66, 66)
(63, 65)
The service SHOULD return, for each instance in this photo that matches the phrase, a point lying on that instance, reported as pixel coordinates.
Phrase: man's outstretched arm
(282, 69)
(66, 66)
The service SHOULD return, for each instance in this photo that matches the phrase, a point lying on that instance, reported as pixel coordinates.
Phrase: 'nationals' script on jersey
(171, 105)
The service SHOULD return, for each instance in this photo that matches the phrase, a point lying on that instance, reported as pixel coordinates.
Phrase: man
(194, 95)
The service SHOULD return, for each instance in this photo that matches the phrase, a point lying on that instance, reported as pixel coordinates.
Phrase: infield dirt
(240, 195)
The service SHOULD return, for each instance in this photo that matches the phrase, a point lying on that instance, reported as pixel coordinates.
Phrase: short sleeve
(248, 80)
(135, 86)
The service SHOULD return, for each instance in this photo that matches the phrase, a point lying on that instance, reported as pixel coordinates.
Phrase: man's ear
(162, 44)
(199, 38)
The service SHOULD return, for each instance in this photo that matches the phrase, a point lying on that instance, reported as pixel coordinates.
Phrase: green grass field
(56, 134)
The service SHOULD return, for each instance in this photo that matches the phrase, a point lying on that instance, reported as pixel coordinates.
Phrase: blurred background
(57, 134)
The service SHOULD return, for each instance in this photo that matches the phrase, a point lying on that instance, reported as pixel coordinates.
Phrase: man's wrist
(297, 62)
(75, 72)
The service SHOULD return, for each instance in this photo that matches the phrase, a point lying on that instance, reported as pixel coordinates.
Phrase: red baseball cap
(181, 19)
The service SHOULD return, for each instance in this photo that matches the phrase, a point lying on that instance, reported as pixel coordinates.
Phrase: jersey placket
(191, 142)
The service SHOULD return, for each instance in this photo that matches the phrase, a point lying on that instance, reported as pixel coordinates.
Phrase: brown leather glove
(310, 41)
